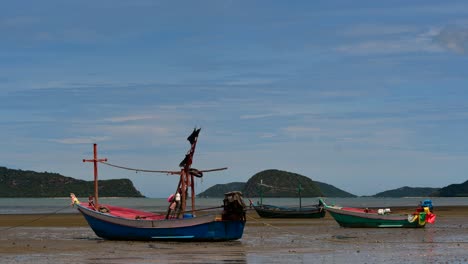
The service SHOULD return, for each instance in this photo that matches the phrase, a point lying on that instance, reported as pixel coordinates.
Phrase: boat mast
(95, 160)
(261, 191)
(299, 189)
(186, 177)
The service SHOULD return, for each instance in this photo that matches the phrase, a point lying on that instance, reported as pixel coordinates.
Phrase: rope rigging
(139, 170)
(36, 219)
(193, 171)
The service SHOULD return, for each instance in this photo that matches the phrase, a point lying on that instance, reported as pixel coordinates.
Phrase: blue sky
(365, 95)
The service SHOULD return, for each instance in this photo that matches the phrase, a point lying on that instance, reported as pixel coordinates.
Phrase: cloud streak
(401, 45)
(454, 39)
(80, 140)
(124, 119)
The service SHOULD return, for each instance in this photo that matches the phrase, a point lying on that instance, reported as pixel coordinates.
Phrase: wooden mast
(185, 176)
(193, 193)
(95, 160)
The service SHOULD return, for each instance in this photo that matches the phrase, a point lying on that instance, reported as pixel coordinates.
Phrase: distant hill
(331, 191)
(453, 190)
(219, 190)
(408, 192)
(19, 183)
(283, 184)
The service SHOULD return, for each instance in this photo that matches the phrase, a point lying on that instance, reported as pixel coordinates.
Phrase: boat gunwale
(147, 223)
(370, 215)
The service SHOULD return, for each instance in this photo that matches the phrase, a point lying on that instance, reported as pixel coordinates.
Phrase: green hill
(277, 183)
(283, 184)
(219, 190)
(19, 183)
(408, 192)
(331, 191)
(453, 190)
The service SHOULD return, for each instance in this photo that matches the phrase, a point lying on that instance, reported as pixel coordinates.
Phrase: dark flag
(184, 162)
(193, 136)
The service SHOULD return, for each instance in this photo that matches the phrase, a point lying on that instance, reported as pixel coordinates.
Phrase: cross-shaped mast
(95, 160)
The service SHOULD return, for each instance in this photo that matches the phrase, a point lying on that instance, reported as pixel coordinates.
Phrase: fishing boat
(364, 217)
(272, 211)
(119, 223)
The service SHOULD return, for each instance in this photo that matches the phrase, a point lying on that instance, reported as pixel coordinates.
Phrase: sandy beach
(66, 238)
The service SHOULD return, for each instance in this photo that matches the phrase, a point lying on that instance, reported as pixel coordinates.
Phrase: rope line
(205, 209)
(278, 228)
(137, 170)
(37, 219)
(264, 223)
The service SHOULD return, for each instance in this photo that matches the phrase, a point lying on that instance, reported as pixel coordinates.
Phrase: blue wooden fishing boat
(119, 223)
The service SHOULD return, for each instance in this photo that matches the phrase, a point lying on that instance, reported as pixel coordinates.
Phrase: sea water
(62, 205)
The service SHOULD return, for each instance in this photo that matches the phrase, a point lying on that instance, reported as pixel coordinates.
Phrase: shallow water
(48, 205)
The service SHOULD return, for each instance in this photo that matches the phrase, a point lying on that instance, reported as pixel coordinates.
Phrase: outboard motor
(234, 206)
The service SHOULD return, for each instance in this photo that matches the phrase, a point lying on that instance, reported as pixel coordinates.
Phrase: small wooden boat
(363, 217)
(271, 211)
(119, 223)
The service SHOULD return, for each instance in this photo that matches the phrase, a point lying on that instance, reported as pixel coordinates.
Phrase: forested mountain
(219, 190)
(19, 183)
(453, 190)
(408, 192)
(277, 183)
(329, 190)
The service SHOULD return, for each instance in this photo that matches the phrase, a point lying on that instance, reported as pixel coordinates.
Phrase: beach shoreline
(66, 238)
(75, 219)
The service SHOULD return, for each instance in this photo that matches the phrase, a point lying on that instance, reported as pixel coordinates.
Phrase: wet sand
(66, 238)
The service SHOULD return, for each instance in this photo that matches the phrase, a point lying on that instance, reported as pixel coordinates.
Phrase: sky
(364, 95)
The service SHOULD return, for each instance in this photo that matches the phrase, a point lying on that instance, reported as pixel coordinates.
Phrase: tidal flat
(66, 238)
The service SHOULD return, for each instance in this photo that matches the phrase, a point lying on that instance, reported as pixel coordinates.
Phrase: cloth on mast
(194, 135)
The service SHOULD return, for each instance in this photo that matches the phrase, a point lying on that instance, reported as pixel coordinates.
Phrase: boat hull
(355, 219)
(268, 211)
(205, 228)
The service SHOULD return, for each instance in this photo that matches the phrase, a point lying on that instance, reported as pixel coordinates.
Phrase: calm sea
(62, 205)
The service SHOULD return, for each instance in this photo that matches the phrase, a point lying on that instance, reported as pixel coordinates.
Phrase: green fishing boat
(364, 217)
